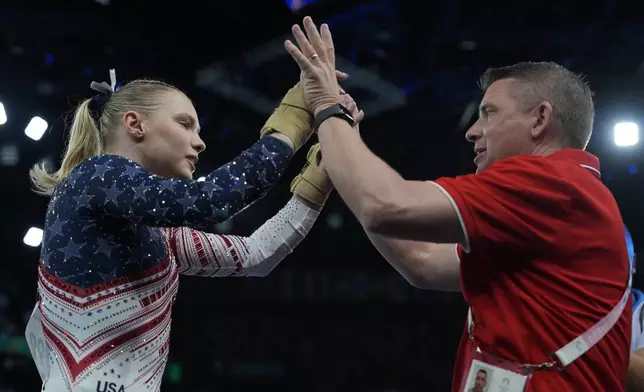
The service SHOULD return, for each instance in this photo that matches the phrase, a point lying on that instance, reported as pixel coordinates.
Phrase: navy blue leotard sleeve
(118, 187)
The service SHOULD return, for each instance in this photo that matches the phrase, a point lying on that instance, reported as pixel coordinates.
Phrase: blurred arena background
(334, 316)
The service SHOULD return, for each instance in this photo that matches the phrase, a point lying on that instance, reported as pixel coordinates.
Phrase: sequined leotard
(110, 259)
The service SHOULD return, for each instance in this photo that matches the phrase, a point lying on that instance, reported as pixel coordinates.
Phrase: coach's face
(504, 127)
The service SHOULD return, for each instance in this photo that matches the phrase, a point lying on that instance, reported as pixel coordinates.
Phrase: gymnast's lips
(193, 161)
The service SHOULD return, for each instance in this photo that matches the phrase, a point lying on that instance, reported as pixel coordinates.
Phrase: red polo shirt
(545, 259)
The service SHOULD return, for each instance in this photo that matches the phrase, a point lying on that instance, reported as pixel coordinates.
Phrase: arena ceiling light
(626, 134)
(36, 128)
(33, 237)
(3, 115)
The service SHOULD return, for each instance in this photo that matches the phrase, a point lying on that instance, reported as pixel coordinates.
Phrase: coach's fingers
(303, 42)
(328, 43)
(315, 39)
(299, 57)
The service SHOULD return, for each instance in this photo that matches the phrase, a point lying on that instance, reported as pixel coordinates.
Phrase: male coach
(541, 257)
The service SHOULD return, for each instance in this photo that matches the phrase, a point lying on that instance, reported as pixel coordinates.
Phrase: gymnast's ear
(134, 125)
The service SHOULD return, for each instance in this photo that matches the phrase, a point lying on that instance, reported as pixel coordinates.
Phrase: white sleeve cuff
(276, 238)
(466, 242)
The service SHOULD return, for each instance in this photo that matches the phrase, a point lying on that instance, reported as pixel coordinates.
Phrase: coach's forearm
(635, 380)
(364, 181)
(404, 256)
(424, 265)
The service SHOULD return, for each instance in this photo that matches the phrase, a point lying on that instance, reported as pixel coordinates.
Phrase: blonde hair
(87, 133)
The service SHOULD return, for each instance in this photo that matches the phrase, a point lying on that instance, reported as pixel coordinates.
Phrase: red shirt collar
(583, 158)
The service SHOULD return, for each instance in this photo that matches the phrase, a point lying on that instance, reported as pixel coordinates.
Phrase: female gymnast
(123, 221)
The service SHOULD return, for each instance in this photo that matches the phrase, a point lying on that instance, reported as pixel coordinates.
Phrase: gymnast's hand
(292, 120)
(316, 59)
(350, 103)
(313, 184)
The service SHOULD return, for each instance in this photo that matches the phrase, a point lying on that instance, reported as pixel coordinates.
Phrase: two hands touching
(292, 121)
(316, 59)
(318, 89)
(313, 183)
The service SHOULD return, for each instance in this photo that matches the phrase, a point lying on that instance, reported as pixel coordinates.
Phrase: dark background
(334, 316)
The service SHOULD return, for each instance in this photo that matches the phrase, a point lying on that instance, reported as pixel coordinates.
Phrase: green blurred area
(14, 345)
(174, 372)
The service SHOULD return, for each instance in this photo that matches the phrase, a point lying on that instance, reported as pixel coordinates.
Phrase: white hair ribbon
(103, 87)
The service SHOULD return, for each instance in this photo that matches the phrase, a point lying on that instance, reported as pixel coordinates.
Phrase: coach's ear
(542, 120)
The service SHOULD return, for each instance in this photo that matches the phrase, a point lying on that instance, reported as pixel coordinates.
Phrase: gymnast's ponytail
(84, 142)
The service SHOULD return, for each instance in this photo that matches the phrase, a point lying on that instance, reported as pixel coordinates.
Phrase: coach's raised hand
(316, 59)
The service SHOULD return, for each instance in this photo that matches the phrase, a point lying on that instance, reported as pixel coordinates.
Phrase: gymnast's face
(170, 143)
(504, 127)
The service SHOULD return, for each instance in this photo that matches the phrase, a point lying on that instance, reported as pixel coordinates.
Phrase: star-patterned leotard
(108, 273)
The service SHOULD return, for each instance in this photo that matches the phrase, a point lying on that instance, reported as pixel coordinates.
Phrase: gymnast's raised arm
(132, 151)
(216, 255)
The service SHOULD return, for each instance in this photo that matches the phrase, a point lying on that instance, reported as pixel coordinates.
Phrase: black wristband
(336, 110)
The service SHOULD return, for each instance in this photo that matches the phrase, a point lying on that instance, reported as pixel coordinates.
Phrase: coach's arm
(413, 224)
(425, 265)
(516, 203)
(635, 381)
(383, 201)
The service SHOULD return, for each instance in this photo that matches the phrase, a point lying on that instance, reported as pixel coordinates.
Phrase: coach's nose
(474, 132)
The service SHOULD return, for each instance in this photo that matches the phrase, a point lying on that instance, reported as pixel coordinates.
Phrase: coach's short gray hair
(567, 92)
